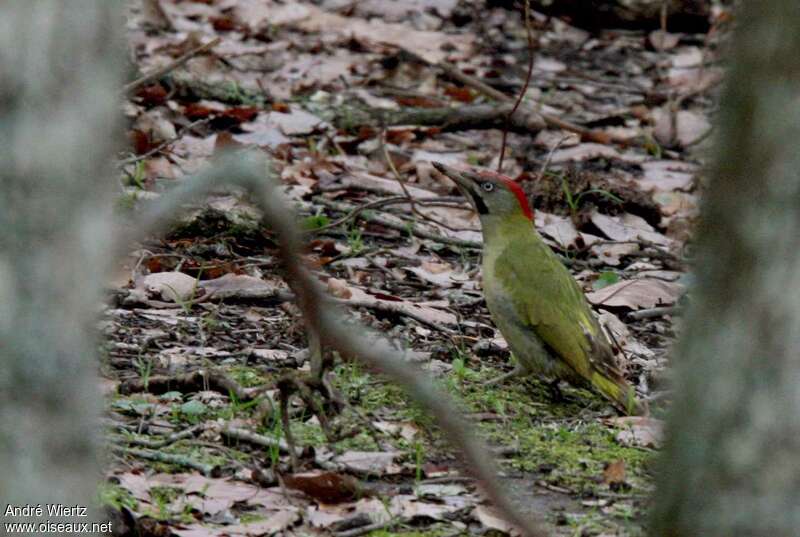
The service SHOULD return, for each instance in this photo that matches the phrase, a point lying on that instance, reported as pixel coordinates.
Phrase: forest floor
(352, 101)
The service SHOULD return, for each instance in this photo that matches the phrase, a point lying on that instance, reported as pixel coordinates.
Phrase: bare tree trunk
(732, 460)
(59, 74)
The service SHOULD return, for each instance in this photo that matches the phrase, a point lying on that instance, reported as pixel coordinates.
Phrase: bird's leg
(555, 391)
(519, 369)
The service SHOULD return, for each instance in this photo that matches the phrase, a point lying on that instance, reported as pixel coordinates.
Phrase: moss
(116, 497)
(247, 377)
(563, 443)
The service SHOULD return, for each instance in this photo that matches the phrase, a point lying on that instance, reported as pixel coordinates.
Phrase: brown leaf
(614, 473)
(196, 111)
(462, 94)
(152, 95)
(637, 294)
(140, 142)
(326, 487)
(224, 23)
(339, 288)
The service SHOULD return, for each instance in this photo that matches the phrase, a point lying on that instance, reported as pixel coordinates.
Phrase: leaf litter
(210, 295)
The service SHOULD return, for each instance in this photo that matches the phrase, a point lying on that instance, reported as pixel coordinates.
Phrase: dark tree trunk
(732, 461)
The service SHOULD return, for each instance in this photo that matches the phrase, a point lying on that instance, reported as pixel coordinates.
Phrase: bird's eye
(487, 186)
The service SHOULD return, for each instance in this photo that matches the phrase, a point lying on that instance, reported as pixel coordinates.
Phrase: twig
(387, 222)
(549, 158)
(203, 379)
(652, 313)
(393, 307)
(160, 147)
(399, 179)
(363, 530)
(158, 73)
(323, 320)
(357, 210)
(521, 95)
(244, 435)
(210, 470)
(165, 441)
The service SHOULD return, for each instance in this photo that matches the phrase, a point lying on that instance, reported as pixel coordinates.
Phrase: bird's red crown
(514, 187)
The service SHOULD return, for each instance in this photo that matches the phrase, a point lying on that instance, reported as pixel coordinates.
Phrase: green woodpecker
(534, 300)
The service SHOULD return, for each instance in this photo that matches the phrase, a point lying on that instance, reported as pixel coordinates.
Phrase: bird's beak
(462, 180)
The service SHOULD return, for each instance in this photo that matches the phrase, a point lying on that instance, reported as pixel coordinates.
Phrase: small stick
(402, 184)
(521, 95)
(160, 147)
(652, 313)
(158, 73)
(169, 458)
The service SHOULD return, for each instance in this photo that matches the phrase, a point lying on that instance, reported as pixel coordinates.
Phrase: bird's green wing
(550, 300)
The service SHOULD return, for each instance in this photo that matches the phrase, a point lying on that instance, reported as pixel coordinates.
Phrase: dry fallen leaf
(640, 431)
(433, 46)
(685, 128)
(638, 294)
(369, 462)
(326, 487)
(614, 473)
(490, 519)
(339, 288)
(170, 286)
(667, 175)
(661, 40)
(628, 227)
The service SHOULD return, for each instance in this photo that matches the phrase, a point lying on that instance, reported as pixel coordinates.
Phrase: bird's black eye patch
(487, 186)
(480, 205)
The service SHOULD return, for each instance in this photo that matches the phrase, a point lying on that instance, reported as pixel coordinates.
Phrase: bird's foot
(556, 394)
(518, 371)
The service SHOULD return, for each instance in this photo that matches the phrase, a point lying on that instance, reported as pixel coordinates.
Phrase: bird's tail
(620, 393)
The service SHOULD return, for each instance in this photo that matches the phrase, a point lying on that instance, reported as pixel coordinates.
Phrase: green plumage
(536, 303)
(543, 313)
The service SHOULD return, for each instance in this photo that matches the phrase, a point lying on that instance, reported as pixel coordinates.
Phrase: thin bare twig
(160, 147)
(357, 210)
(402, 184)
(521, 95)
(161, 71)
(393, 224)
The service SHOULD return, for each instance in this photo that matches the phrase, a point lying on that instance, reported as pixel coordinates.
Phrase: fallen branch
(210, 470)
(533, 116)
(161, 442)
(385, 221)
(203, 379)
(243, 435)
